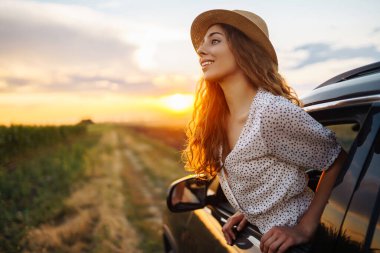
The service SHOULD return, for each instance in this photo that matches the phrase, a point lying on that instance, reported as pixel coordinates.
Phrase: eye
(215, 41)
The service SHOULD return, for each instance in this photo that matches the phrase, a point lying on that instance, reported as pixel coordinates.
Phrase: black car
(348, 104)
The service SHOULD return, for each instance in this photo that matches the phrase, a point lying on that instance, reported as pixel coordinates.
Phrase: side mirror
(186, 194)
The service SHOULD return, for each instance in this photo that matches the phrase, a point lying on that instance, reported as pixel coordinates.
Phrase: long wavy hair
(206, 132)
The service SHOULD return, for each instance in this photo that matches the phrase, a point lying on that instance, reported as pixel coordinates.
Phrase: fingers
(271, 244)
(278, 239)
(242, 224)
(265, 238)
(228, 227)
(286, 245)
(274, 245)
(229, 235)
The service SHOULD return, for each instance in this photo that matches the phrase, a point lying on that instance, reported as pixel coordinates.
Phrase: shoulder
(277, 106)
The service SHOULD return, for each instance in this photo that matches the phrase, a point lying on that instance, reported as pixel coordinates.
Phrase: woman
(248, 127)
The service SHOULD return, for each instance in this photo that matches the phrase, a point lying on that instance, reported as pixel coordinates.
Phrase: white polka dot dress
(266, 177)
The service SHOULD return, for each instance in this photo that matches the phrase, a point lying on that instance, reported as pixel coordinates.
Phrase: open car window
(345, 133)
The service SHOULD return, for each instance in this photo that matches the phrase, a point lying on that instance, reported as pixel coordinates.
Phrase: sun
(178, 102)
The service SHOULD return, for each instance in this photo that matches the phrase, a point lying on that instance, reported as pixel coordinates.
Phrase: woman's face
(215, 56)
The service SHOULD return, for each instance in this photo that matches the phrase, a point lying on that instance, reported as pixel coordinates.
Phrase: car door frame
(347, 180)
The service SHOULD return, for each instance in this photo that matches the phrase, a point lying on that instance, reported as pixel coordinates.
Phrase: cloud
(175, 83)
(376, 30)
(69, 48)
(52, 47)
(55, 44)
(320, 52)
(88, 84)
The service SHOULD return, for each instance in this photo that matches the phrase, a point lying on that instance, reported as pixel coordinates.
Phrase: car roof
(357, 83)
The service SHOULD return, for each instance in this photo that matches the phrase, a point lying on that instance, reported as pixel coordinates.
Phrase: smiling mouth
(206, 63)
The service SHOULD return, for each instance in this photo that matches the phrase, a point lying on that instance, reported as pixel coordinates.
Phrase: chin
(211, 78)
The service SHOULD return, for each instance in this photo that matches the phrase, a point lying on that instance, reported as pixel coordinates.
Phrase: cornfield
(17, 139)
(37, 167)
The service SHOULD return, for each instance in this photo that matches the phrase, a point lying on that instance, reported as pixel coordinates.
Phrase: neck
(239, 93)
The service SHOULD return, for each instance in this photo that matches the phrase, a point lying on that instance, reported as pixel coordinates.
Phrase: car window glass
(375, 245)
(345, 134)
(358, 222)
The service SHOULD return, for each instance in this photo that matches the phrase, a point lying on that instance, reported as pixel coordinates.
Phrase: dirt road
(118, 207)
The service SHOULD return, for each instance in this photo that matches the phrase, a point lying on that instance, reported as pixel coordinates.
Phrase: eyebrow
(211, 34)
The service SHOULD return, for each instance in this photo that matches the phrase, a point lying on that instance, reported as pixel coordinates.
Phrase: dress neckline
(243, 130)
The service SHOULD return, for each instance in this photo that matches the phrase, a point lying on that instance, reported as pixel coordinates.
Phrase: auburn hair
(206, 132)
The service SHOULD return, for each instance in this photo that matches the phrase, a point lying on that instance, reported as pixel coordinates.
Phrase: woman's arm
(279, 239)
(311, 218)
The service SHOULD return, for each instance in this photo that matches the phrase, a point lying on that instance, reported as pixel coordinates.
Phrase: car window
(375, 244)
(346, 123)
(362, 213)
(345, 134)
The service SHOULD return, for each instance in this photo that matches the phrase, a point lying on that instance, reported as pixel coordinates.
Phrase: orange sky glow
(58, 108)
(119, 61)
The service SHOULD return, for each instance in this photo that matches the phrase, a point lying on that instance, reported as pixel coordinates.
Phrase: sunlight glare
(178, 102)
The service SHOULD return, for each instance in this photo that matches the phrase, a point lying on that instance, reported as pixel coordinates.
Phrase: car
(349, 105)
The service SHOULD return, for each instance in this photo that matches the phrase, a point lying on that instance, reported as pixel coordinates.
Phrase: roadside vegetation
(151, 164)
(94, 188)
(38, 166)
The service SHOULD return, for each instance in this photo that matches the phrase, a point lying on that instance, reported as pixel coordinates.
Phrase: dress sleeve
(292, 135)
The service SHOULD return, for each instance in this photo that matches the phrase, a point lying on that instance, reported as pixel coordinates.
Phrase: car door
(337, 227)
(360, 220)
(204, 227)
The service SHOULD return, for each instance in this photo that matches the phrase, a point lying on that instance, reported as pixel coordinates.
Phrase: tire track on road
(93, 219)
(145, 204)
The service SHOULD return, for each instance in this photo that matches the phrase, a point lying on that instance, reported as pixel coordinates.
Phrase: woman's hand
(280, 239)
(236, 219)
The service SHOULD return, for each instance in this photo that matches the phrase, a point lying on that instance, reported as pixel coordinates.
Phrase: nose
(201, 50)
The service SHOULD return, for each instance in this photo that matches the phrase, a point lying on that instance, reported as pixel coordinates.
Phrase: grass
(32, 190)
(94, 217)
(138, 215)
(103, 191)
(161, 162)
(149, 169)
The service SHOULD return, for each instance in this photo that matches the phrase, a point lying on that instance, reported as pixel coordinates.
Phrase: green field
(95, 188)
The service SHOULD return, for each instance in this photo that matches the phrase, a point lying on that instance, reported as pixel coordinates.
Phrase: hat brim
(206, 19)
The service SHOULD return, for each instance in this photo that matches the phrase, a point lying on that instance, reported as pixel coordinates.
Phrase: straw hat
(247, 22)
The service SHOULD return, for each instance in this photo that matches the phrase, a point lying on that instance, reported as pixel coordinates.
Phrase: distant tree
(86, 122)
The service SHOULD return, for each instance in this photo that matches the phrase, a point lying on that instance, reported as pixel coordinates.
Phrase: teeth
(206, 63)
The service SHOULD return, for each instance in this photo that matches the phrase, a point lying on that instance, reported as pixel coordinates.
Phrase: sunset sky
(133, 61)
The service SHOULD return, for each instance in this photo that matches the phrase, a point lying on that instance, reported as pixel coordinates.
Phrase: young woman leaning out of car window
(248, 128)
